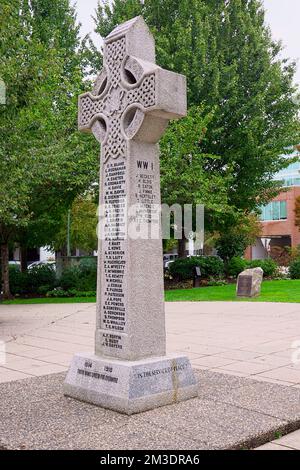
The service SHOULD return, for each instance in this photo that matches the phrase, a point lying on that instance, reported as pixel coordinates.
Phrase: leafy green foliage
(37, 280)
(82, 277)
(231, 245)
(18, 281)
(70, 278)
(44, 161)
(294, 269)
(234, 241)
(83, 226)
(268, 266)
(183, 176)
(235, 71)
(235, 266)
(210, 266)
(60, 293)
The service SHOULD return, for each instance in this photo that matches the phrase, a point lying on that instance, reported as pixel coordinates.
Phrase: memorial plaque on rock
(128, 111)
(244, 286)
(249, 282)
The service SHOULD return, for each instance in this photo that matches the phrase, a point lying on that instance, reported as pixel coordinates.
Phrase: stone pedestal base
(130, 386)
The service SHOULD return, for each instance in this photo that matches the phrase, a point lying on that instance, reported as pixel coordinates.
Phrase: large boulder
(249, 282)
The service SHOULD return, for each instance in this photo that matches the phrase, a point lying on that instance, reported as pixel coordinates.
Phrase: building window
(276, 210)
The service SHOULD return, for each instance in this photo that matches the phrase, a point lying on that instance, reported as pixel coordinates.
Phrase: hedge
(82, 277)
(236, 265)
(32, 281)
(42, 279)
(294, 269)
(213, 267)
(210, 266)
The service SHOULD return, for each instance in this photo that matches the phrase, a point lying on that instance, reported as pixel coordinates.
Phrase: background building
(278, 218)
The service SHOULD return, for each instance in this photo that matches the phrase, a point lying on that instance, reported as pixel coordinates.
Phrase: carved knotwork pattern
(116, 144)
(145, 94)
(115, 53)
(116, 101)
(89, 108)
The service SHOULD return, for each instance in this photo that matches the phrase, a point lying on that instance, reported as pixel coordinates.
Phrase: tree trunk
(24, 259)
(182, 248)
(5, 271)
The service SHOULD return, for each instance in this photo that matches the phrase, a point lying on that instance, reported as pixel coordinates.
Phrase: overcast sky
(282, 16)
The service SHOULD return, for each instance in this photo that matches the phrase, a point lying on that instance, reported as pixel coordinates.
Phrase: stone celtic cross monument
(128, 111)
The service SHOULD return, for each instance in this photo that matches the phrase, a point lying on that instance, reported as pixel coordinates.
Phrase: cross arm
(90, 108)
(157, 97)
(171, 100)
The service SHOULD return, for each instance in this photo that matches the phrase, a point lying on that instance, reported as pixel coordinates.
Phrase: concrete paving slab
(286, 374)
(271, 446)
(255, 338)
(270, 399)
(291, 440)
(35, 415)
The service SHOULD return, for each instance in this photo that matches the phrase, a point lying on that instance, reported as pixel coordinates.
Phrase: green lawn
(272, 291)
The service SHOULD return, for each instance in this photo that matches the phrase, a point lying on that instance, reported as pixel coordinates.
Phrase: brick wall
(284, 227)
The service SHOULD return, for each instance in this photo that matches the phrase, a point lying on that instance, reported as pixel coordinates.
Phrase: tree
(237, 238)
(256, 116)
(83, 233)
(235, 69)
(44, 161)
(183, 178)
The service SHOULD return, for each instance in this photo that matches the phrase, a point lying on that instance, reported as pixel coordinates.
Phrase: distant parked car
(169, 258)
(36, 264)
(168, 263)
(17, 264)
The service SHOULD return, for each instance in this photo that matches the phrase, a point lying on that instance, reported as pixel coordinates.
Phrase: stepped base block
(130, 386)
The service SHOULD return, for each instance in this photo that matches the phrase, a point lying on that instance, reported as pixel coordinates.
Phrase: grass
(272, 291)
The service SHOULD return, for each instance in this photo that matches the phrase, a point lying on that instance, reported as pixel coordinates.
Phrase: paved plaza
(257, 340)
(249, 386)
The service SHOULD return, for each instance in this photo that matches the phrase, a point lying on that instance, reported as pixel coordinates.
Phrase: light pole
(2, 92)
(69, 234)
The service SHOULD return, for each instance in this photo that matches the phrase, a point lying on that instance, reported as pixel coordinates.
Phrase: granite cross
(131, 104)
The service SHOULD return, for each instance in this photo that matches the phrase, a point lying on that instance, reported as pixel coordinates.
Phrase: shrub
(88, 275)
(268, 266)
(60, 293)
(88, 264)
(82, 277)
(42, 290)
(70, 278)
(39, 276)
(32, 281)
(211, 266)
(183, 268)
(18, 281)
(231, 245)
(235, 266)
(282, 272)
(216, 282)
(85, 294)
(294, 269)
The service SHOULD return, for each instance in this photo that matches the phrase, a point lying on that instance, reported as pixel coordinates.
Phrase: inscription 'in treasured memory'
(166, 370)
